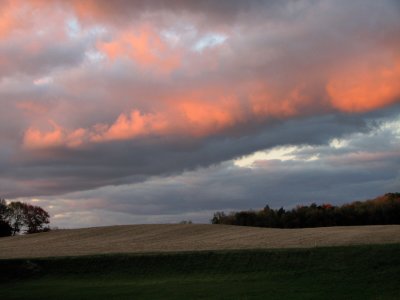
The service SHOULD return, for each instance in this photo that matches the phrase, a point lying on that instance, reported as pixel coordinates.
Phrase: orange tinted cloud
(364, 88)
(191, 113)
(89, 9)
(127, 127)
(11, 17)
(205, 116)
(22, 16)
(57, 137)
(207, 111)
(36, 139)
(268, 102)
(5, 26)
(144, 46)
(206, 106)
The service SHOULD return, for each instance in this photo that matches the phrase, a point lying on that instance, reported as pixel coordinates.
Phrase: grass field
(352, 272)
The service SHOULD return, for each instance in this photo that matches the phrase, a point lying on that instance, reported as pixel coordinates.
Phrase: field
(364, 271)
(355, 272)
(176, 238)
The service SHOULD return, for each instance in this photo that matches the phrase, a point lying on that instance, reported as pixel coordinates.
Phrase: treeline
(19, 217)
(380, 211)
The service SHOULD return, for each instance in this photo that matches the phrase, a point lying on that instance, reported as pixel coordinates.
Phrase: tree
(218, 218)
(186, 222)
(3, 209)
(15, 216)
(35, 218)
(18, 216)
(5, 228)
(382, 210)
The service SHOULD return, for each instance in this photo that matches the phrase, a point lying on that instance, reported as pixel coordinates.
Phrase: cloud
(336, 174)
(144, 46)
(95, 94)
(375, 82)
(65, 170)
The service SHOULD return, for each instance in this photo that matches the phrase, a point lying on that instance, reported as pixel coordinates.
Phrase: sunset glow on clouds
(103, 93)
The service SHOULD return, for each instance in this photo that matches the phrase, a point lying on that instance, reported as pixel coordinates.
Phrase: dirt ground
(190, 237)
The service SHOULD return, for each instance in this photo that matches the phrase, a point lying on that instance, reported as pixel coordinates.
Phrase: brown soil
(191, 237)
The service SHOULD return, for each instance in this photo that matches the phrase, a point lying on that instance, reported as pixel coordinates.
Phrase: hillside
(191, 237)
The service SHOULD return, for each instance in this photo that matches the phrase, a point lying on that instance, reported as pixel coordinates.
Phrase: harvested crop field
(191, 237)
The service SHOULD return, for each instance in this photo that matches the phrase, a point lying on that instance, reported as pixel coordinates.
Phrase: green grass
(357, 272)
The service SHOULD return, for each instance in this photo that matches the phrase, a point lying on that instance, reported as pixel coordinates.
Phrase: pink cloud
(146, 86)
(144, 46)
(365, 86)
(205, 81)
(212, 110)
(37, 139)
(128, 127)
(57, 137)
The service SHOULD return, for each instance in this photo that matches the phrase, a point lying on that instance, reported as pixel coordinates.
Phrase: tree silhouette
(18, 216)
(382, 210)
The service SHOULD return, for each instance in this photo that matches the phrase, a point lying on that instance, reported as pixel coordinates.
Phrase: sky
(133, 111)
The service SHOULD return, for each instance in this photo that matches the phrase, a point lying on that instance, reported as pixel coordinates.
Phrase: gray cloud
(339, 175)
(119, 163)
(283, 54)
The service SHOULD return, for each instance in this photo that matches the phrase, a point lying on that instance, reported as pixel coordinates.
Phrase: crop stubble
(190, 237)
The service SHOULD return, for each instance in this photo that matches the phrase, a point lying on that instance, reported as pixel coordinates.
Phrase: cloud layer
(95, 93)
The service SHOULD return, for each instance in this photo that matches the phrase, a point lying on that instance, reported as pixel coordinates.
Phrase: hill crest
(187, 237)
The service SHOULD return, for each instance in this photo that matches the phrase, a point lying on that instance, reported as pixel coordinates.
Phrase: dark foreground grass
(356, 272)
